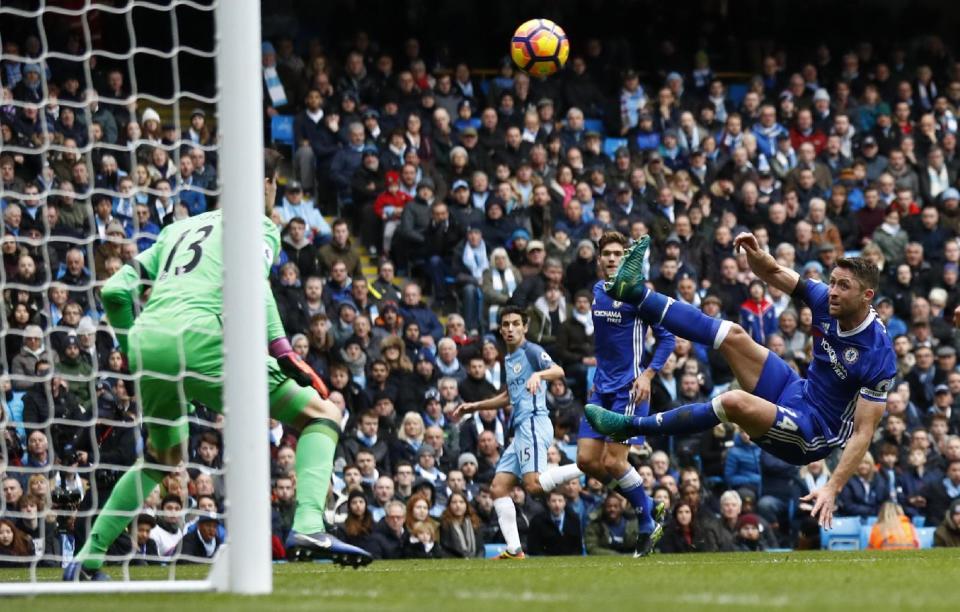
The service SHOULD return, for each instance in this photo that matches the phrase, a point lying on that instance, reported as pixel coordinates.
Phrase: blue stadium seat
(736, 93)
(593, 125)
(610, 145)
(570, 450)
(591, 372)
(865, 531)
(493, 550)
(919, 521)
(925, 535)
(845, 534)
(870, 520)
(281, 129)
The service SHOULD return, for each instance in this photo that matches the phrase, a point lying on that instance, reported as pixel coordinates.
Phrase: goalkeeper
(176, 345)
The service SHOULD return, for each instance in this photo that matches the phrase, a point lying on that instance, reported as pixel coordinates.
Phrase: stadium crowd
(483, 192)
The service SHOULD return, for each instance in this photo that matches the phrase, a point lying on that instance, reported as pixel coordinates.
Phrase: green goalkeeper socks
(127, 497)
(315, 450)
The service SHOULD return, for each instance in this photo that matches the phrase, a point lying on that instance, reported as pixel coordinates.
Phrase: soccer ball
(539, 47)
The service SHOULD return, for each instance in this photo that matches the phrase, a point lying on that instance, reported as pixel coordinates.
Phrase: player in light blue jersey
(622, 384)
(798, 420)
(528, 369)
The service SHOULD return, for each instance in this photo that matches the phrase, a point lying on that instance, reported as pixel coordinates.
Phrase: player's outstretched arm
(956, 316)
(765, 266)
(491, 403)
(119, 296)
(865, 420)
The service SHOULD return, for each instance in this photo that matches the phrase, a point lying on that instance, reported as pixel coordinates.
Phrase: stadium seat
(736, 93)
(919, 521)
(869, 520)
(925, 535)
(845, 534)
(591, 372)
(610, 145)
(593, 125)
(281, 129)
(493, 550)
(865, 531)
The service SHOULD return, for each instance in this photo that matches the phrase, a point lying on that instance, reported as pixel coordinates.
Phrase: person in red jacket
(388, 206)
(757, 314)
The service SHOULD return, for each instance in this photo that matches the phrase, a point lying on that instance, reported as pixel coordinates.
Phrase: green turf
(811, 581)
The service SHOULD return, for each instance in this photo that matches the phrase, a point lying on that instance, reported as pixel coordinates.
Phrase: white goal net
(117, 118)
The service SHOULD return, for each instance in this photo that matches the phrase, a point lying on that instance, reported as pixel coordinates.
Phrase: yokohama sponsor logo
(840, 371)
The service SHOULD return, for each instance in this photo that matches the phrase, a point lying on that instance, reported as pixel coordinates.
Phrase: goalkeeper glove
(296, 368)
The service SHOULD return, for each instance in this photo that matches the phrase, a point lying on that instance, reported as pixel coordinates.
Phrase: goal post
(245, 397)
(243, 565)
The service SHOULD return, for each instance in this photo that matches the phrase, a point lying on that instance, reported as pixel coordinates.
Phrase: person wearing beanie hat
(149, 115)
(582, 271)
(748, 534)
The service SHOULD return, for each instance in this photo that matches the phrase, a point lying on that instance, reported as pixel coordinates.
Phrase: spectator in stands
(460, 535)
(893, 530)
(340, 248)
(415, 220)
(940, 495)
(14, 543)
(748, 534)
(441, 236)
(390, 533)
(25, 361)
(742, 470)
(366, 437)
(204, 542)
(556, 531)
(863, 493)
(284, 506)
(358, 528)
(414, 309)
(609, 533)
(948, 532)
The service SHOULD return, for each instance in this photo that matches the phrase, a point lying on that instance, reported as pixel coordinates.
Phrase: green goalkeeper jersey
(185, 270)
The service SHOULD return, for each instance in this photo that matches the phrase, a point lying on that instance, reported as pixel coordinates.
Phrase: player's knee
(319, 408)
(736, 335)
(739, 406)
(590, 466)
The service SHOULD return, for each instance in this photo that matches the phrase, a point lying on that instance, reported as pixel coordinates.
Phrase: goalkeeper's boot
(75, 572)
(647, 542)
(506, 554)
(320, 545)
(627, 284)
(617, 426)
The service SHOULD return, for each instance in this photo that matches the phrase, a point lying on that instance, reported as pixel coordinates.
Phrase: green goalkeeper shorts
(179, 366)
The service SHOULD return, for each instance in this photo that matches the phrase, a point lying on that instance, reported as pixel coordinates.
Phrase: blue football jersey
(519, 366)
(619, 334)
(846, 364)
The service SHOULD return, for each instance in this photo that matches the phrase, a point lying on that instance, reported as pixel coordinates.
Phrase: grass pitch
(811, 581)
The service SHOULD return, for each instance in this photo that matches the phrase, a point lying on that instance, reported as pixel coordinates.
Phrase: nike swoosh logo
(324, 543)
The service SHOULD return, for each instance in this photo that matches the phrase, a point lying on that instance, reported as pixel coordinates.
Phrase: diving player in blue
(798, 420)
(622, 384)
(528, 370)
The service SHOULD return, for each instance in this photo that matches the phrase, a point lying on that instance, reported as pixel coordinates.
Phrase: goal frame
(244, 565)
